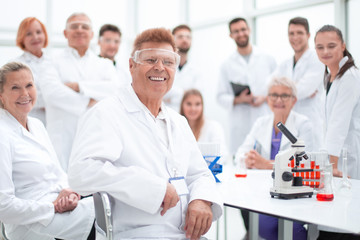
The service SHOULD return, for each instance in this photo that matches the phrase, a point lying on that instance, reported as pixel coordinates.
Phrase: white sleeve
(93, 165)
(58, 95)
(311, 80)
(306, 134)
(109, 85)
(339, 120)
(225, 94)
(15, 210)
(249, 141)
(200, 181)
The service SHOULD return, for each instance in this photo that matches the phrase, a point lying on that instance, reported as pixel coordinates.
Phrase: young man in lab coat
(187, 76)
(109, 43)
(81, 80)
(305, 69)
(144, 154)
(247, 66)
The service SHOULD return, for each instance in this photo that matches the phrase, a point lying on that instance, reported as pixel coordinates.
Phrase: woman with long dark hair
(342, 108)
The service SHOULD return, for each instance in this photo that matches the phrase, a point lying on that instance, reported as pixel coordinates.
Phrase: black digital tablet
(239, 88)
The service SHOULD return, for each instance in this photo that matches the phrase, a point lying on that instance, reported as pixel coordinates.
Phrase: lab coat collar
(133, 104)
(303, 57)
(254, 53)
(75, 53)
(343, 61)
(17, 127)
(328, 75)
(264, 138)
(29, 57)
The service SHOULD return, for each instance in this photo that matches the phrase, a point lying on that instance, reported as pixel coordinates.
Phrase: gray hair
(9, 68)
(283, 81)
(76, 14)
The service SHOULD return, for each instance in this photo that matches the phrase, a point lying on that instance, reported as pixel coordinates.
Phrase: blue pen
(255, 145)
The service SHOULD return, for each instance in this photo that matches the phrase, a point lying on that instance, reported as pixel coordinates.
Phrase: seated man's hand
(170, 199)
(255, 160)
(66, 201)
(73, 85)
(198, 219)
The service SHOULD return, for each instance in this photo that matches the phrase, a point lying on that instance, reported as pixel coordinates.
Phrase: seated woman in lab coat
(205, 130)
(265, 140)
(342, 108)
(32, 38)
(35, 201)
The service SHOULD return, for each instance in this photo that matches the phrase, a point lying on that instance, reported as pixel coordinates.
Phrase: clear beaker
(325, 192)
(240, 166)
(344, 185)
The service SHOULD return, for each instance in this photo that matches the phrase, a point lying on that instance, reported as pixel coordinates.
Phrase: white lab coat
(253, 73)
(123, 74)
(308, 76)
(127, 158)
(342, 115)
(260, 135)
(37, 64)
(97, 80)
(212, 132)
(186, 78)
(30, 180)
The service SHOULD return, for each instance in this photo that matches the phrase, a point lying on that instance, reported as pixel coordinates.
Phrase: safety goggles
(79, 24)
(151, 57)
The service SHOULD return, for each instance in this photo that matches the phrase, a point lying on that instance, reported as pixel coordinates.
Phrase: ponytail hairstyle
(350, 63)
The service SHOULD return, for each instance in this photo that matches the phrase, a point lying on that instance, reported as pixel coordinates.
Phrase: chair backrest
(3, 235)
(103, 215)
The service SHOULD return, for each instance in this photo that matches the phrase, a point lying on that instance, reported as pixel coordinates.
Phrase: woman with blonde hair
(36, 202)
(204, 130)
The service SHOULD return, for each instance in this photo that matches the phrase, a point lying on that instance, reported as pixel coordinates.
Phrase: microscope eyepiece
(286, 132)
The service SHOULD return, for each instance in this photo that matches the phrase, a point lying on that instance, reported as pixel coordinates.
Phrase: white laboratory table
(253, 194)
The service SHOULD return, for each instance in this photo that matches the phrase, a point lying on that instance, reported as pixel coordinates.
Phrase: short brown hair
(159, 35)
(180, 27)
(300, 21)
(23, 28)
(109, 27)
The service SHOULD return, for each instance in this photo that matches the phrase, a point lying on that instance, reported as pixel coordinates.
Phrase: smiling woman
(33, 188)
(32, 38)
(17, 91)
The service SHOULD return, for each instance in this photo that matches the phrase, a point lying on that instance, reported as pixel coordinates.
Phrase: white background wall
(208, 18)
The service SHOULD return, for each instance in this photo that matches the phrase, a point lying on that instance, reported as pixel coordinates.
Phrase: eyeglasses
(79, 24)
(151, 57)
(283, 97)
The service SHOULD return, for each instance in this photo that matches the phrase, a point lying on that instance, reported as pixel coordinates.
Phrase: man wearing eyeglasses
(305, 69)
(85, 79)
(187, 76)
(249, 67)
(144, 154)
(109, 43)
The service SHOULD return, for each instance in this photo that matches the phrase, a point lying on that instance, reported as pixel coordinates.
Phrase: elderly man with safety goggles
(144, 154)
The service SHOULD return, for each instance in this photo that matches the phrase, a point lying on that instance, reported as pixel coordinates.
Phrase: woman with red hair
(32, 38)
